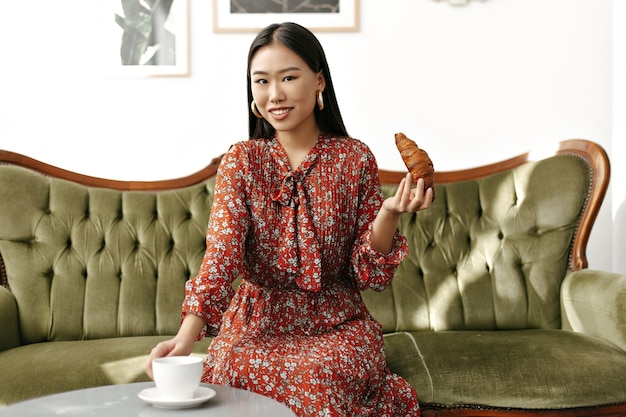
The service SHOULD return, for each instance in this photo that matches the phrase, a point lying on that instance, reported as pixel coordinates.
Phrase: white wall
(619, 137)
(471, 84)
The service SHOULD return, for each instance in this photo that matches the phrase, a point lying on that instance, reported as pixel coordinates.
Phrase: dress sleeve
(370, 268)
(209, 293)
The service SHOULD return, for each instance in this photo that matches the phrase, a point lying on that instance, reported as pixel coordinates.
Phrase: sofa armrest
(594, 303)
(10, 335)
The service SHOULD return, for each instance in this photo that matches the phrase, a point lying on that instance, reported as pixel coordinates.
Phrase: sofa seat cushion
(50, 367)
(526, 369)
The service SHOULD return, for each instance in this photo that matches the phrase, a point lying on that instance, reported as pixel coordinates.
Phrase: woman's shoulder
(238, 156)
(246, 149)
(247, 145)
(350, 146)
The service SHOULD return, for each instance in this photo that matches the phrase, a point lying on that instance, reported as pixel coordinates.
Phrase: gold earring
(320, 100)
(255, 111)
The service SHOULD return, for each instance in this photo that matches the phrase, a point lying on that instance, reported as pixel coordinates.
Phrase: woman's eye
(289, 78)
(261, 81)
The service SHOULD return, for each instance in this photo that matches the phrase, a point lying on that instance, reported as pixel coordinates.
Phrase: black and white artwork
(145, 37)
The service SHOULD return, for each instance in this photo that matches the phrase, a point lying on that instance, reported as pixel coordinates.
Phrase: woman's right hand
(172, 347)
(179, 345)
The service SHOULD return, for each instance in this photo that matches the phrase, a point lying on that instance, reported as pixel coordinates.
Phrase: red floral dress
(297, 329)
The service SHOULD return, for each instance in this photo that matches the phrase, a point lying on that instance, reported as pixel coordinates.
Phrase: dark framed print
(316, 15)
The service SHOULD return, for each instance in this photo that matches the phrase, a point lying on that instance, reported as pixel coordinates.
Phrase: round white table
(122, 401)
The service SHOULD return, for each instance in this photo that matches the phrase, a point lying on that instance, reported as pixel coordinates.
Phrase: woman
(298, 214)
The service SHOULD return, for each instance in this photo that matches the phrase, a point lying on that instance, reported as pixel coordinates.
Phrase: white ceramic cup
(177, 377)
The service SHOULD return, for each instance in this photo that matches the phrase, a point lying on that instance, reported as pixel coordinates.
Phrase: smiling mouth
(281, 111)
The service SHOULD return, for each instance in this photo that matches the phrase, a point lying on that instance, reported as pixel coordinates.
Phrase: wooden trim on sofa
(56, 172)
(4, 282)
(592, 153)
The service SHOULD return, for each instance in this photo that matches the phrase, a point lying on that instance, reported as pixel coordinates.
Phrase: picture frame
(335, 16)
(149, 42)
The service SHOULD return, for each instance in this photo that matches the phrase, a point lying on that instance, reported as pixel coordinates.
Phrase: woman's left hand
(408, 199)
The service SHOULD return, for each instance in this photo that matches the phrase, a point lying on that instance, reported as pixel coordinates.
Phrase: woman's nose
(276, 93)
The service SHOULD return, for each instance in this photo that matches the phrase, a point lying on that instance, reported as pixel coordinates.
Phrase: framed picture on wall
(145, 38)
(254, 15)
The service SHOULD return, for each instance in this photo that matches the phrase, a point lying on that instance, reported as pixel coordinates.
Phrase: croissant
(417, 161)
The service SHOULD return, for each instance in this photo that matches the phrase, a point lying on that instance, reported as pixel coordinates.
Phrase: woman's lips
(280, 113)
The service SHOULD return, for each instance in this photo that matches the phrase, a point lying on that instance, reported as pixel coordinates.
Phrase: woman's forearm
(190, 328)
(383, 231)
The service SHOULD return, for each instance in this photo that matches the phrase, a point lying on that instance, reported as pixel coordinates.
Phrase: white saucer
(153, 396)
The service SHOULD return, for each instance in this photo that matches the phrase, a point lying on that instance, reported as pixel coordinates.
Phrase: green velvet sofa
(494, 312)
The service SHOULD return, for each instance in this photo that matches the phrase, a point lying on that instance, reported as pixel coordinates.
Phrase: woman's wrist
(190, 329)
(388, 217)
(383, 230)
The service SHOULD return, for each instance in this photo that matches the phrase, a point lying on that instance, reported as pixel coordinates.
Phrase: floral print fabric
(297, 329)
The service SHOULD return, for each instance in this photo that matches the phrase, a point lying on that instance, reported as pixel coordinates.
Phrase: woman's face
(285, 89)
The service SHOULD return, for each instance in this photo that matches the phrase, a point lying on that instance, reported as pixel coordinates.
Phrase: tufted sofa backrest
(88, 262)
(493, 249)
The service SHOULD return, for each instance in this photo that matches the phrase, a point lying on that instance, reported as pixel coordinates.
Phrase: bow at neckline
(298, 253)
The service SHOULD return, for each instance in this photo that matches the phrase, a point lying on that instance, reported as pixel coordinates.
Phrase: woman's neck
(297, 141)
(297, 146)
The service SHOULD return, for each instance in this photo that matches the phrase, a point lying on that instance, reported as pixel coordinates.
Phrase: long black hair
(304, 43)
